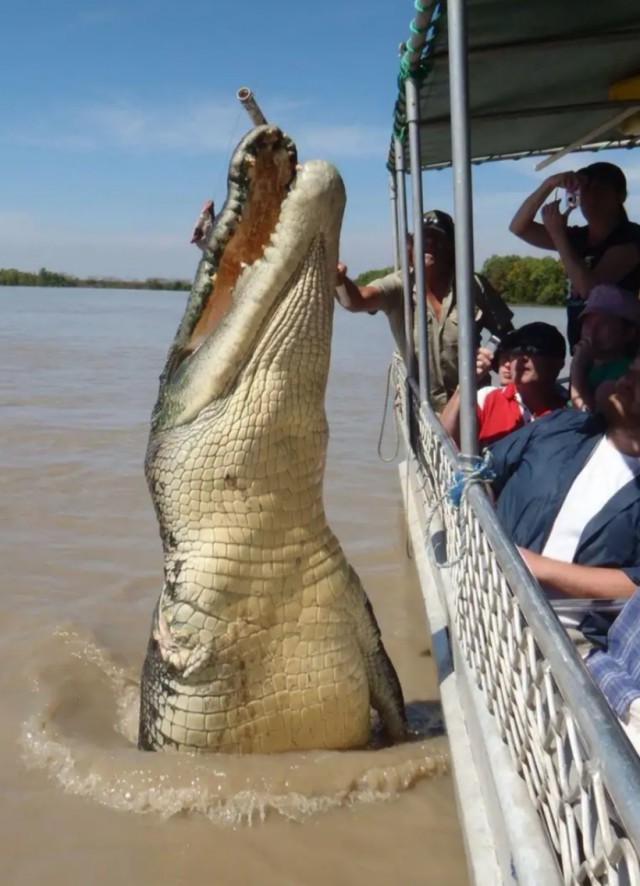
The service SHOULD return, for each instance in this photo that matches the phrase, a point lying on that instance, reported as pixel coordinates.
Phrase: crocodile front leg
(384, 686)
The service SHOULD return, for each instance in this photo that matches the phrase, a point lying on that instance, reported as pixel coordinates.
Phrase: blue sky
(118, 120)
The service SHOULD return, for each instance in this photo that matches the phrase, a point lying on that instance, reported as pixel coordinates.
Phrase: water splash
(83, 734)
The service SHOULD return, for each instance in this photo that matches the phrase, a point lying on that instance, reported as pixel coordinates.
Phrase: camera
(572, 200)
(493, 343)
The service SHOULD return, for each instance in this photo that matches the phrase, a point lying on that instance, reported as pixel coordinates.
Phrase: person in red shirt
(535, 355)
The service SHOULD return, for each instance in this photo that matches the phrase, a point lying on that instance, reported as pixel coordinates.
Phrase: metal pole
(587, 138)
(411, 94)
(461, 155)
(246, 98)
(393, 196)
(401, 193)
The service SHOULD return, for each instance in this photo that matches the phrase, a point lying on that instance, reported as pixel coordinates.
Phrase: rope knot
(476, 469)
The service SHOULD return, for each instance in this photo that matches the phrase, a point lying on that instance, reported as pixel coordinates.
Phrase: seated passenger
(537, 353)
(616, 669)
(609, 332)
(500, 363)
(386, 294)
(568, 494)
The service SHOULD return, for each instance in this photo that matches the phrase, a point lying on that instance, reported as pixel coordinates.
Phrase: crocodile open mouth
(261, 173)
(266, 267)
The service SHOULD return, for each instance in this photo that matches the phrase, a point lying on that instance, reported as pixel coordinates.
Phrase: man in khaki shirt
(386, 294)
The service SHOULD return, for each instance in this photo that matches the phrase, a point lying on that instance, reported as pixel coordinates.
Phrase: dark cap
(535, 338)
(439, 221)
(608, 173)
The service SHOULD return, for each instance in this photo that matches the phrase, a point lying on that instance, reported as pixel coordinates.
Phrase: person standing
(386, 294)
(605, 250)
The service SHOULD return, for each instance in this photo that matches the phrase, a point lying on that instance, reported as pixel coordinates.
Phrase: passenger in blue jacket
(568, 493)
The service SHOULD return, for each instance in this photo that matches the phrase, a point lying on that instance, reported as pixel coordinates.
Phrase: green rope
(430, 32)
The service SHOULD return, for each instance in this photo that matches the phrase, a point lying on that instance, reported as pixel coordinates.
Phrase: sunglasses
(531, 351)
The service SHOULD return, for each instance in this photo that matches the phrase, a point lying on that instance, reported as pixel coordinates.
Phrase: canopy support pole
(587, 138)
(413, 113)
(393, 197)
(401, 194)
(464, 282)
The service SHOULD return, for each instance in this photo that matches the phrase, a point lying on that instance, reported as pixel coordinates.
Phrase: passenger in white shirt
(568, 493)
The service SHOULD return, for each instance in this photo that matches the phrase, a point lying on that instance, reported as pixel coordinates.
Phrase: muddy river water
(81, 571)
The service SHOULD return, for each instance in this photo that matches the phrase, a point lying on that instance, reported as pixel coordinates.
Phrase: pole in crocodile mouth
(251, 106)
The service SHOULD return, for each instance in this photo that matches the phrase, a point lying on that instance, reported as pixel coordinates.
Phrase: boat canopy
(532, 78)
(543, 76)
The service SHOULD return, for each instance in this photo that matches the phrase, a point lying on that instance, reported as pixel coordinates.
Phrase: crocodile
(263, 639)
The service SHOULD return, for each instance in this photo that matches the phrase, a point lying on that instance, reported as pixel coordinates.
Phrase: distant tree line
(520, 279)
(44, 277)
(524, 280)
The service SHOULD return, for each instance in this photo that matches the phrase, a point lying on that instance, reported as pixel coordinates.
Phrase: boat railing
(580, 770)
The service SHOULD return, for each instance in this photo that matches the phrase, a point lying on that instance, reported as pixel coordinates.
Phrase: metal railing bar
(412, 93)
(401, 196)
(463, 211)
(604, 738)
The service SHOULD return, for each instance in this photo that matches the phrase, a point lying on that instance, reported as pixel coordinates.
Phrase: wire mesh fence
(582, 774)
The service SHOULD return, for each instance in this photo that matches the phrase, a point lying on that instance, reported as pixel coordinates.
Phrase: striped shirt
(617, 670)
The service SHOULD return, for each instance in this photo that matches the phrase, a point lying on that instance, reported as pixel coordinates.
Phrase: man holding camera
(536, 353)
(605, 250)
